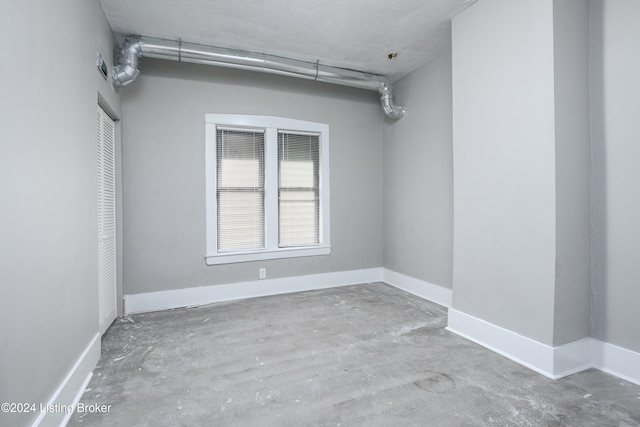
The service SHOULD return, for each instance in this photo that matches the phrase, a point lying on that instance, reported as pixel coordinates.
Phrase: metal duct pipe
(135, 47)
(127, 69)
(390, 108)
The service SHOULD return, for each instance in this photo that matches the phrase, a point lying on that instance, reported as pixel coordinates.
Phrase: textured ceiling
(354, 34)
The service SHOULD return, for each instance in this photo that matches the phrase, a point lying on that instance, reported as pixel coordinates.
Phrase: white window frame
(271, 125)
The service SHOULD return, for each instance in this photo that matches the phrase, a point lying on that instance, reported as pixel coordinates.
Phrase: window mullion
(271, 188)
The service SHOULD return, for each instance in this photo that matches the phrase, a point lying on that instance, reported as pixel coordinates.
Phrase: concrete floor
(366, 355)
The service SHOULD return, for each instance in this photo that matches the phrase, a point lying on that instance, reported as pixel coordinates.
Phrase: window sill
(229, 258)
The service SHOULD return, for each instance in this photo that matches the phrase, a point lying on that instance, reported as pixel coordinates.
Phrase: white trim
(227, 258)
(419, 288)
(520, 349)
(271, 212)
(240, 121)
(162, 300)
(211, 205)
(271, 126)
(325, 190)
(552, 362)
(571, 358)
(70, 391)
(614, 360)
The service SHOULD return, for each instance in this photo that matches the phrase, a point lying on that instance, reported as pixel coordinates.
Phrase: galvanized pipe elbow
(388, 106)
(127, 69)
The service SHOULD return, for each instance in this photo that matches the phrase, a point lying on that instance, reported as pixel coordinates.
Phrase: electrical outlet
(262, 273)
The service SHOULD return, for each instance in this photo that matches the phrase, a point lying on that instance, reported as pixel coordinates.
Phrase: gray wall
(615, 88)
(501, 173)
(48, 220)
(418, 177)
(504, 165)
(573, 169)
(164, 171)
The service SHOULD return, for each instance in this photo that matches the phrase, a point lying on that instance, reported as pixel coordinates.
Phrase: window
(267, 188)
(298, 189)
(240, 190)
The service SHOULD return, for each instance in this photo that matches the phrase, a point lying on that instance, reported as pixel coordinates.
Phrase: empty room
(320, 213)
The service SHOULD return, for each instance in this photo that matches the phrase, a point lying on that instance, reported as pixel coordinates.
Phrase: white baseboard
(552, 362)
(72, 387)
(520, 349)
(616, 361)
(571, 358)
(163, 300)
(420, 288)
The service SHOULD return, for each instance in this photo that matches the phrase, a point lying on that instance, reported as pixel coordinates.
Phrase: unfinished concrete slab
(358, 355)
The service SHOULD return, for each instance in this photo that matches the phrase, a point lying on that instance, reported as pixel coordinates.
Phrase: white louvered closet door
(107, 278)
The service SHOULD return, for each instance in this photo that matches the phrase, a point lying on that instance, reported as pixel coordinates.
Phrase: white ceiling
(353, 34)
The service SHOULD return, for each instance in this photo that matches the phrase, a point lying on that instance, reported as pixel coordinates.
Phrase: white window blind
(298, 189)
(240, 190)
